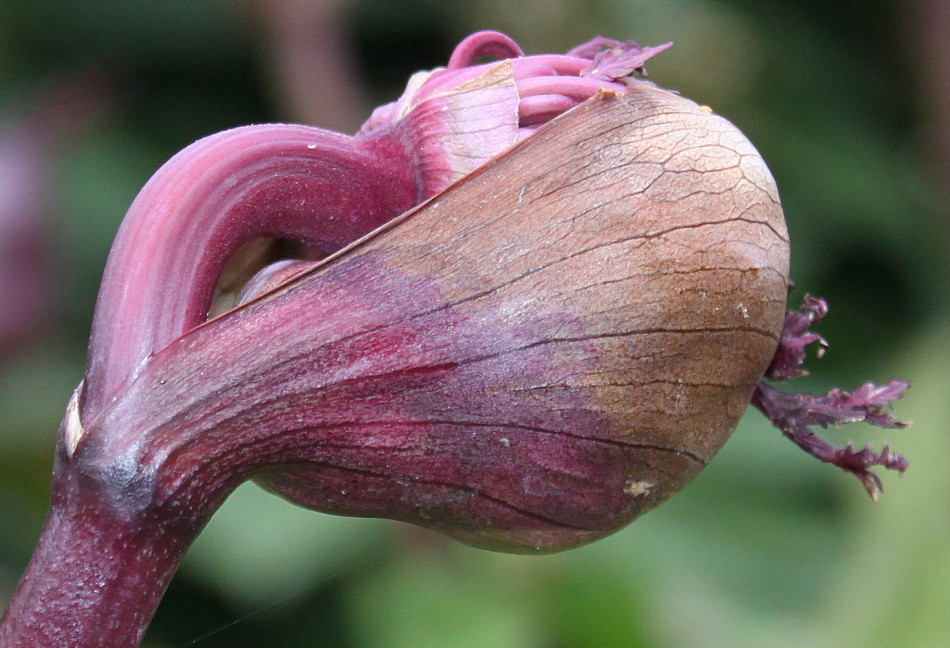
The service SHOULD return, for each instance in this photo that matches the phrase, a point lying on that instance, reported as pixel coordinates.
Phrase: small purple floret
(790, 354)
(795, 414)
(612, 60)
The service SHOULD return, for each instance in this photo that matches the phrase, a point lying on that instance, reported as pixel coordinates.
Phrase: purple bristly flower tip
(790, 354)
(855, 462)
(612, 60)
(837, 407)
(795, 414)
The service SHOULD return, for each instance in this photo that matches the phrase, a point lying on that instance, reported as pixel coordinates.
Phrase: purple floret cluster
(796, 414)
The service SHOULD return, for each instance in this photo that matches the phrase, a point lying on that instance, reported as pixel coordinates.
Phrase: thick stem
(98, 572)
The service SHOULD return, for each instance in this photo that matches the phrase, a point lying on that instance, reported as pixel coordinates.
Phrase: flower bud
(549, 348)
(531, 301)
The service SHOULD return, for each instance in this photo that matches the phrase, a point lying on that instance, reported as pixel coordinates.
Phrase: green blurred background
(848, 101)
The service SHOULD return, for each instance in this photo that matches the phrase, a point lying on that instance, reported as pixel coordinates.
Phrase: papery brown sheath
(527, 361)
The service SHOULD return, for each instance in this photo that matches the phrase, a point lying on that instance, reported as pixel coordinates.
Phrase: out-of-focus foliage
(765, 548)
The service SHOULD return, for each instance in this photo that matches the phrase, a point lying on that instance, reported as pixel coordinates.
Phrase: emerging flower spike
(795, 414)
(524, 304)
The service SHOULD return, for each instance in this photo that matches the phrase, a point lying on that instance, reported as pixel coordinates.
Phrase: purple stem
(99, 570)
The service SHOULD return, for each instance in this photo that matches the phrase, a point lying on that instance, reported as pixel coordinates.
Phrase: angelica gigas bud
(528, 302)
(552, 346)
